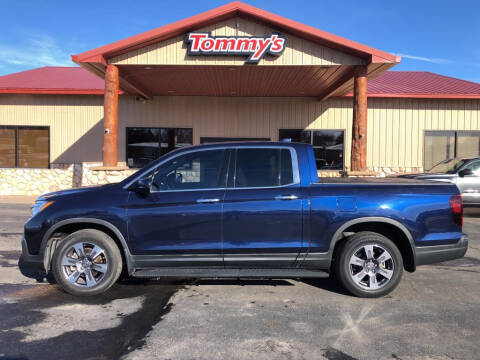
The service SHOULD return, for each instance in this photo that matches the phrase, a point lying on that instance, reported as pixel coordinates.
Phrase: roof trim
(20, 91)
(419, 96)
(51, 91)
(101, 54)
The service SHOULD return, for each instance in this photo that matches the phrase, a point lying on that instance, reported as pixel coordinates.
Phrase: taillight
(456, 205)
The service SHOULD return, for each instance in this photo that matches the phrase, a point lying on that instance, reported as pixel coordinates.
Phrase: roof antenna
(287, 140)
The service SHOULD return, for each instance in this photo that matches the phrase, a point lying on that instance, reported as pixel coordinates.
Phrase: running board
(228, 273)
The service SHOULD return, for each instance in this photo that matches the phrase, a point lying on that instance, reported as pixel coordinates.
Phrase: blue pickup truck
(244, 210)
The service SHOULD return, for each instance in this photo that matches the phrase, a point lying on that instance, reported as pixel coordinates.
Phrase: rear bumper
(34, 261)
(438, 253)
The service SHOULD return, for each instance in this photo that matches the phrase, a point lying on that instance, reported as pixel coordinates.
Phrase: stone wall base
(58, 177)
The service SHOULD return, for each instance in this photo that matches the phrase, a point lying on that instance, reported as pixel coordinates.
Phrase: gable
(298, 51)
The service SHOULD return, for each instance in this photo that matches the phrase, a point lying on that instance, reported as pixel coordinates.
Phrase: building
(232, 73)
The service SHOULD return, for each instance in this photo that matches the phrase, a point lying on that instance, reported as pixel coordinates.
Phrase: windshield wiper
(441, 162)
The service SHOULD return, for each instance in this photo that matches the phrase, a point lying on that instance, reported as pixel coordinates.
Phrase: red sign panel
(254, 47)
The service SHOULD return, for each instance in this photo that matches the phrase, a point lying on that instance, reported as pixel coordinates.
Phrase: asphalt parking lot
(434, 314)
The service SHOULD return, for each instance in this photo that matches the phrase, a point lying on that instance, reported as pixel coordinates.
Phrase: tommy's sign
(254, 47)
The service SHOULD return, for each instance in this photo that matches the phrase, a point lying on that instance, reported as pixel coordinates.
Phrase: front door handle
(286, 197)
(208, 201)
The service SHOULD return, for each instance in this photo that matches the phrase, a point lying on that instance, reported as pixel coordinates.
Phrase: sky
(438, 36)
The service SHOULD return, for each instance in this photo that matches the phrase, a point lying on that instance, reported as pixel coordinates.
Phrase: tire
(366, 275)
(77, 272)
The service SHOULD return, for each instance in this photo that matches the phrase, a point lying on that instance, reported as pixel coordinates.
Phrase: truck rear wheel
(369, 265)
(86, 263)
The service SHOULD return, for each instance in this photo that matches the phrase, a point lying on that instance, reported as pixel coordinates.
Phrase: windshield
(449, 166)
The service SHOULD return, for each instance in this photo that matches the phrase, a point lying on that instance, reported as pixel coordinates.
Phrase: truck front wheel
(369, 265)
(86, 263)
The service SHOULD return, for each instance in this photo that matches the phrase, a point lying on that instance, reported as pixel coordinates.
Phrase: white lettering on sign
(255, 47)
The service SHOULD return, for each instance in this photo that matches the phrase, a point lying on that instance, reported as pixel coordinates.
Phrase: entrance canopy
(163, 61)
(237, 50)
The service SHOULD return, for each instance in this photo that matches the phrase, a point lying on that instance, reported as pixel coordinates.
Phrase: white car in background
(465, 173)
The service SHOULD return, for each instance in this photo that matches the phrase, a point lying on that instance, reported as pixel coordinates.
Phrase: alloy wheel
(371, 267)
(84, 264)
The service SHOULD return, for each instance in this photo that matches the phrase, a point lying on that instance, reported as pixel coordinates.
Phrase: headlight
(40, 205)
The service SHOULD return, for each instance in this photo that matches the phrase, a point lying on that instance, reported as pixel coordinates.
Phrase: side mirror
(142, 187)
(465, 172)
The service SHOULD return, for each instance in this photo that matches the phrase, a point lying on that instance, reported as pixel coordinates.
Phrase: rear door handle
(286, 197)
(208, 201)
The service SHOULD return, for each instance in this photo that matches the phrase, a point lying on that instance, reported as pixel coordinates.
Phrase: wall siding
(235, 116)
(298, 51)
(76, 127)
(395, 126)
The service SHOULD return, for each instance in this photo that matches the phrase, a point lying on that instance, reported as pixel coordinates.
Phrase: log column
(359, 131)
(110, 119)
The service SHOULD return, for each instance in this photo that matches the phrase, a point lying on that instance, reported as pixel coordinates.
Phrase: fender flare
(45, 246)
(339, 233)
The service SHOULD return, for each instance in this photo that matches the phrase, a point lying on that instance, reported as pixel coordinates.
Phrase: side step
(228, 273)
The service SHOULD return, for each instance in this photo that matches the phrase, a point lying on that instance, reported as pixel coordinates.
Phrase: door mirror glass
(142, 187)
(465, 172)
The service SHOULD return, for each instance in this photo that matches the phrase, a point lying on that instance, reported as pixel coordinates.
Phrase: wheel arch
(49, 242)
(393, 229)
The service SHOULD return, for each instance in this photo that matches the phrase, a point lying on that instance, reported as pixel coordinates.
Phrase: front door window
(194, 171)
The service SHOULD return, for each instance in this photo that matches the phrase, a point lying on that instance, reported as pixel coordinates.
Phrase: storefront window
(328, 145)
(296, 135)
(24, 147)
(147, 144)
(328, 149)
(444, 145)
(7, 147)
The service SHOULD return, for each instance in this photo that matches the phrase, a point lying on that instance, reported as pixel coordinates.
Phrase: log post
(110, 119)
(359, 130)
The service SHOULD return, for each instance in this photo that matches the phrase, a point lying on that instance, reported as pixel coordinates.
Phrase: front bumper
(438, 253)
(35, 261)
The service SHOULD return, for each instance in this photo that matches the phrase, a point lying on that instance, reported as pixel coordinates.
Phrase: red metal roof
(391, 84)
(421, 84)
(101, 54)
(52, 80)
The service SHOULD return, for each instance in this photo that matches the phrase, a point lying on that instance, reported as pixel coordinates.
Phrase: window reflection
(328, 149)
(24, 147)
(7, 147)
(147, 144)
(32, 148)
(446, 145)
(328, 145)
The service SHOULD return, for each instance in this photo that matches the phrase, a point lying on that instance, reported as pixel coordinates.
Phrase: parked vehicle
(244, 210)
(465, 173)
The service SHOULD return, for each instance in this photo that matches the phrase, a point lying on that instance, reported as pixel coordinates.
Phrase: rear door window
(263, 167)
